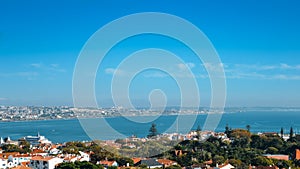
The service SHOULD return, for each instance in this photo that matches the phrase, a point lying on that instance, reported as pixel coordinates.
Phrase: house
(6, 155)
(18, 159)
(70, 159)
(38, 152)
(166, 162)
(269, 134)
(40, 162)
(3, 163)
(264, 167)
(21, 167)
(150, 163)
(297, 154)
(107, 163)
(54, 151)
(8, 160)
(277, 156)
(136, 160)
(224, 166)
(84, 156)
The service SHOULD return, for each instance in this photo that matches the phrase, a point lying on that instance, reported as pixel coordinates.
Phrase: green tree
(257, 141)
(261, 161)
(152, 131)
(174, 167)
(217, 159)
(241, 138)
(272, 150)
(12, 148)
(67, 166)
(143, 166)
(248, 127)
(291, 134)
(78, 165)
(235, 162)
(227, 130)
(25, 146)
(198, 130)
(281, 132)
(123, 161)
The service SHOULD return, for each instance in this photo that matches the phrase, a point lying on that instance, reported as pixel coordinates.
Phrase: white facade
(3, 163)
(44, 162)
(84, 156)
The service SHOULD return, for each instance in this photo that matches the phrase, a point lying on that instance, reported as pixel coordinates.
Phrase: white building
(3, 163)
(18, 159)
(84, 156)
(39, 162)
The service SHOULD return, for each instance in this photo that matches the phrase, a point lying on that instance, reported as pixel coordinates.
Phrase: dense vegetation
(243, 149)
(99, 153)
(78, 165)
(24, 147)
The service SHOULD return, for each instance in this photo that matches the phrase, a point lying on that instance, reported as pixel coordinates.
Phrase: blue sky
(257, 41)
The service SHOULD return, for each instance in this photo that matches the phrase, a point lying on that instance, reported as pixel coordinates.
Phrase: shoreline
(149, 115)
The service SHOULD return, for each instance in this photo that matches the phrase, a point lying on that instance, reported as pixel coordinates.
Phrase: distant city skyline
(258, 44)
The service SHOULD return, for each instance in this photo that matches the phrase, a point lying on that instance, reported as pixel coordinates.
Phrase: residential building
(39, 162)
(107, 163)
(297, 154)
(166, 162)
(224, 166)
(277, 156)
(150, 163)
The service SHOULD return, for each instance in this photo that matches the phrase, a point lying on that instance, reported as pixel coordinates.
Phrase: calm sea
(71, 129)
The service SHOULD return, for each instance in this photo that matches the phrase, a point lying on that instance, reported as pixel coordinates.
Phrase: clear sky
(257, 41)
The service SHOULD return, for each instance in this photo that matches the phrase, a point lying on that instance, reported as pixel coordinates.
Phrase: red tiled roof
(297, 154)
(40, 158)
(6, 155)
(136, 160)
(37, 151)
(21, 155)
(266, 167)
(25, 163)
(21, 167)
(278, 157)
(108, 163)
(166, 161)
(208, 162)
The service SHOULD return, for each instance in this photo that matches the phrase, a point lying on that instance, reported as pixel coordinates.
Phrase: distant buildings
(22, 113)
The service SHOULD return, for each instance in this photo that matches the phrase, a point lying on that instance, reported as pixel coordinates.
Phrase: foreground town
(234, 148)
